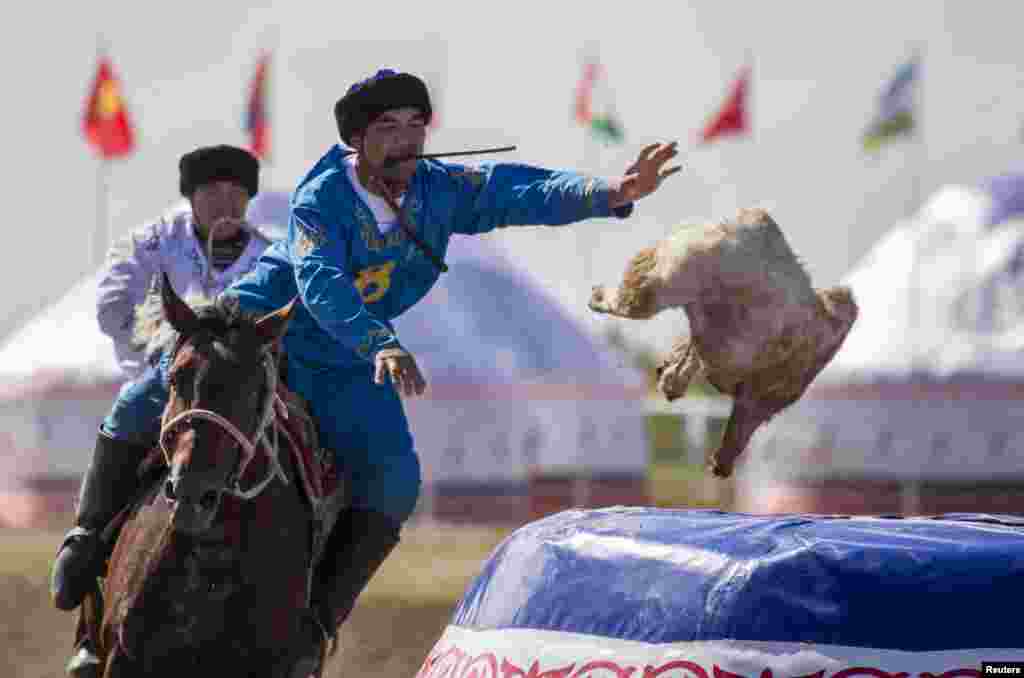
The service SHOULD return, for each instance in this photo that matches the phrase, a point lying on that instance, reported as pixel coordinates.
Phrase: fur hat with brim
(219, 163)
(383, 91)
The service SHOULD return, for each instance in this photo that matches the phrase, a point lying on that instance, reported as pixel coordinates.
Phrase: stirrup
(309, 663)
(326, 636)
(84, 663)
(76, 533)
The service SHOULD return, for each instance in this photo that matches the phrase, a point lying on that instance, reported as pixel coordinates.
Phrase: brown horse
(211, 572)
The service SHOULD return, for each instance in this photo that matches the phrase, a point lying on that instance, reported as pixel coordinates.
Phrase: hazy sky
(508, 71)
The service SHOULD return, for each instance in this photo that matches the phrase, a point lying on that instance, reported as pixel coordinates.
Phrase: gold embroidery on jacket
(373, 281)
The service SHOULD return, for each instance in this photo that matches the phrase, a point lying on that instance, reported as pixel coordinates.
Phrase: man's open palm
(645, 175)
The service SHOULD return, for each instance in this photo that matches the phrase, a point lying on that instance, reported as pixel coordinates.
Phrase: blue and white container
(655, 593)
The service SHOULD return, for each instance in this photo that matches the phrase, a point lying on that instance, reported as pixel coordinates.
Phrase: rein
(247, 447)
(208, 251)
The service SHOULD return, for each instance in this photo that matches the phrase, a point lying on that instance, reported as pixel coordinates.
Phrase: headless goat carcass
(758, 331)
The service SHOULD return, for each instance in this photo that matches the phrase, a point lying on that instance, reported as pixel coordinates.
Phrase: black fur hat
(384, 90)
(219, 163)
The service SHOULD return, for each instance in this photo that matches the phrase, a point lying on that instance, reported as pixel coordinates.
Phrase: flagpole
(910, 492)
(747, 72)
(101, 233)
(919, 158)
(101, 229)
(731, 118)
(922, 156)
(269, 98)
(582, 478)
(590, 54)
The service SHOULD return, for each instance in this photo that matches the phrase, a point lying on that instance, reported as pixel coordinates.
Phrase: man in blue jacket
(368, 231)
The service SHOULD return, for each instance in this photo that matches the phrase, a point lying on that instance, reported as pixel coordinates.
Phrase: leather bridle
(248, 447)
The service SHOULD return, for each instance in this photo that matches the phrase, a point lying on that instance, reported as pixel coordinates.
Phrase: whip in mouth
(423, 156)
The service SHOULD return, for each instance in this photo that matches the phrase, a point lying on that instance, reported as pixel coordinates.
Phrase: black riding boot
(109, 484)
(359, 543)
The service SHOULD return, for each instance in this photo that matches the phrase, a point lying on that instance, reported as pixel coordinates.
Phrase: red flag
(584, 91)
(105, 122)
(732, 118)
(257, 119)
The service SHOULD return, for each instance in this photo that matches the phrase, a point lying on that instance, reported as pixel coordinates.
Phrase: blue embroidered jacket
(353, 279)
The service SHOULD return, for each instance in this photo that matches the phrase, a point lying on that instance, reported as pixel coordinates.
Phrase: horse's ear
(177, 312)
(272, 326)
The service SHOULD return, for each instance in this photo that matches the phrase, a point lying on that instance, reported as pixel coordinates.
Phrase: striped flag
(601, 121)
(257, 117)
(896, 103)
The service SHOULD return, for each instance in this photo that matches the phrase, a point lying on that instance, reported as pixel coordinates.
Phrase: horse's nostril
(169, 490)
(208, 500)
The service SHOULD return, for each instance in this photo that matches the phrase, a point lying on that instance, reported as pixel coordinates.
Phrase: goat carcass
(758, 331)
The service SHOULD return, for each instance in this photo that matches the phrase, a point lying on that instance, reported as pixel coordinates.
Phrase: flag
(105, 122)
(257, 117)
(1006, 198)
(603, 124)
(732, 119)
(895, 115)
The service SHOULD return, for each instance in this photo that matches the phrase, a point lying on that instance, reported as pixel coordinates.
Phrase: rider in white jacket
(168, 245)
(218, 183)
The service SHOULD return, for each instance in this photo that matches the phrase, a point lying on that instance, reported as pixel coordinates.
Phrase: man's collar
(346, 157)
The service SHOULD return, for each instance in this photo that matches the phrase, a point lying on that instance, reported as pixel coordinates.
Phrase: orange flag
(105, 122)
(732, 118)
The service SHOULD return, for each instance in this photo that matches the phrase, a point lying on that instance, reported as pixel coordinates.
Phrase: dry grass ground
(398, 619)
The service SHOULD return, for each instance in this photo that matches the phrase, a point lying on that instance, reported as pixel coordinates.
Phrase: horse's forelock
(220, 317)
(235, 329)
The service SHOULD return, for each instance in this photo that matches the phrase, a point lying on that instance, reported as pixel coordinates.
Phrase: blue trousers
(135, 416)
(363, 423)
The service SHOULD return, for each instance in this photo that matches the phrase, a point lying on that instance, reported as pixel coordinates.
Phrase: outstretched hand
(405, 374)
(645, 175)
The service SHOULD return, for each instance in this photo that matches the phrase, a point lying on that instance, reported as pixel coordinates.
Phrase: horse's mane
(220, 316)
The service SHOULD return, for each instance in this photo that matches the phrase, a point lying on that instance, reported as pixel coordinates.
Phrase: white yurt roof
(941, 296)
(61, 346)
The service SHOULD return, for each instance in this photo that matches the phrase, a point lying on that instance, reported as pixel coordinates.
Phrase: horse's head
(222, 381)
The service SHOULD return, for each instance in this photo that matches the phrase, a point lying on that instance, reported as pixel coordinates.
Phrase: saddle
(316, 464)
(327, 495)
